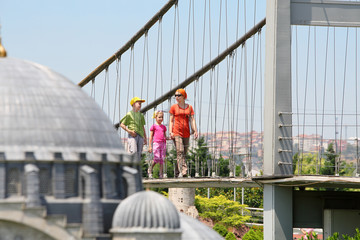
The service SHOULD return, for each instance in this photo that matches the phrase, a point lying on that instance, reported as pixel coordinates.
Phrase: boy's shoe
(149, 173)
(180, 175)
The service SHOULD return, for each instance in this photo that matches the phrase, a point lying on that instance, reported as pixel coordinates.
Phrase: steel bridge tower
(280, 15)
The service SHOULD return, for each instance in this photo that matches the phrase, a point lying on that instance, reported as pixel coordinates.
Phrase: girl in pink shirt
(158, 141)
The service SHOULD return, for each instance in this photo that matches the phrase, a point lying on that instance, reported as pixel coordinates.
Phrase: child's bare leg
(151, 168)
(161, 170)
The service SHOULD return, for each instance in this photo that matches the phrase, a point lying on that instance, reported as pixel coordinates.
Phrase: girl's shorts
(159, 150)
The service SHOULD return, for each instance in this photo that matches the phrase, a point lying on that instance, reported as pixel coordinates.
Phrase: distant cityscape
(228, 143)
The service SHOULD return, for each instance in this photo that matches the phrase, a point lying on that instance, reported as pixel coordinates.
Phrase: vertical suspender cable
(187, 42)
(343, 99)
(93, 88)
(117, 87)
(305, 96)
(157, 58)
(356, 102)
(143, 68)
(178, 44)
(119, 99)
(335, 115)
(216, 83)
(297, 95)
(173, 48)
(202, 65)
(324, 93)
(104, 90)
(316, 106)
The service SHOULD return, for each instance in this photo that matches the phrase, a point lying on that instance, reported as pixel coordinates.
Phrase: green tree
(221, 210)
(330, 158)
(200, 153)
(253, 197)
(223, 167)
(253, 235)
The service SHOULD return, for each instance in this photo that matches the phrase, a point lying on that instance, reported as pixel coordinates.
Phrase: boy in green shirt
(134, 123)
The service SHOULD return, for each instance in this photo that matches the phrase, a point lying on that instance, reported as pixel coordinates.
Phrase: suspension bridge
(283, 107)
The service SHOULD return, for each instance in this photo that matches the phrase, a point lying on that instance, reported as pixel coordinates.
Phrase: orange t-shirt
(181, 120)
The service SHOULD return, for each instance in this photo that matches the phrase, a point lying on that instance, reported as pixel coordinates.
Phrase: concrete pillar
(184, 200)
(107, 189)
(32, 186)
(58, 180)
(2, 180)
(130, 175)
(92, 208)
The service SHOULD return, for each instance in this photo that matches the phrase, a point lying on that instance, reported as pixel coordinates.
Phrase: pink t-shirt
(159, 132)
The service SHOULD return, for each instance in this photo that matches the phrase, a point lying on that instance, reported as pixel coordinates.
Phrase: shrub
(221, 229)
(221, 210)
(253, 235)
(230, 236)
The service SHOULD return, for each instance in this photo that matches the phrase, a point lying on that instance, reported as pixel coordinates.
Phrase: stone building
(63, 169)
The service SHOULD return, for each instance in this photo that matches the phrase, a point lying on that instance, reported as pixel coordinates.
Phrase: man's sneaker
(150, 175)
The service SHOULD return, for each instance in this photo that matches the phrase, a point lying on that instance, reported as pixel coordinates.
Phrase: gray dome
(146, 209)
(195, 230)
(43, 112)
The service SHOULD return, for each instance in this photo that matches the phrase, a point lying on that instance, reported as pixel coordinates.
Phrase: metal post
(277, 200)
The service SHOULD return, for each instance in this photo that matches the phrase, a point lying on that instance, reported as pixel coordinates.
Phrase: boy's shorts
(135, 145)
(159, 150)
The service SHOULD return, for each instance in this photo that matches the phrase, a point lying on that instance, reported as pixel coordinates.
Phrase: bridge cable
(239, 90)
(129, 83)
(117, 88)
(253, 100)
(356, 102)
(252, 104)
(343, 98)
(324, 93)
(130, 43)
(92, 94)
(297, 96)
(235, 109)
(202, 65)
(246, 91)
(143, 68)
(105, 85)
(306, 83)
(188, 39)
(217, 88)
(157, 57)
(316, 105)
(173, 47)
(335, 115)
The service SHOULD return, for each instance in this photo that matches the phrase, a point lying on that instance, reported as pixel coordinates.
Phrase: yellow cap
(136, 99)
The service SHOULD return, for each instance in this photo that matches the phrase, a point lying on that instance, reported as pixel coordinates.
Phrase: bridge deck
(289, 181)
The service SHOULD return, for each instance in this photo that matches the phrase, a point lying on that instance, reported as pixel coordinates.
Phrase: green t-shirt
(134, 121)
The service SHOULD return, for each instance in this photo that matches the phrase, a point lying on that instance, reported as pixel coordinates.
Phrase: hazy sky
(74, 37)
(71, 37)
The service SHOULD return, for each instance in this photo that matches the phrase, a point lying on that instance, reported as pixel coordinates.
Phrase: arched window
(70, 181)
(13, 181)
(113, 183)
(45, 181)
